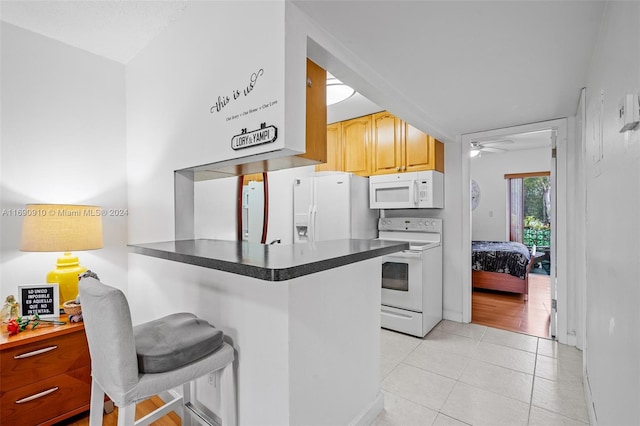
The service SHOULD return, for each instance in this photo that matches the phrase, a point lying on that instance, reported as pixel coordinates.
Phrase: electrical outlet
(211, 379)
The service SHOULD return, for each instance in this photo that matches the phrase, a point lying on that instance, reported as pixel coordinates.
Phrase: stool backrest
(107, 323)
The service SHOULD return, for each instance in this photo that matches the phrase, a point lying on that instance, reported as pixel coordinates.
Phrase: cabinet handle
(34, 353)
(309, 82)
(36, 396)
(397, 169)
(404, 167)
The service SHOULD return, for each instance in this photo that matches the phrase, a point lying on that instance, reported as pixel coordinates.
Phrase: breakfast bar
(304, 320)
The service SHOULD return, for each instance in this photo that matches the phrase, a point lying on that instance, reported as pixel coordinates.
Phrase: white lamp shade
(61, 228)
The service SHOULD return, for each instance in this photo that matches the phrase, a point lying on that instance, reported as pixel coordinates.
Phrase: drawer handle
(34, 353)
(36, 396)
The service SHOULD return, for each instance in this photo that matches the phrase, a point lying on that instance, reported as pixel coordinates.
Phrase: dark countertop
(269, 262)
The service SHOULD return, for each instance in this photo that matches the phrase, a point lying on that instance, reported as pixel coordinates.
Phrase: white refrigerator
(331, 207)
(252, 211)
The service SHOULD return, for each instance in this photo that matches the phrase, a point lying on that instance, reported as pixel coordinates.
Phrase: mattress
(507, 257)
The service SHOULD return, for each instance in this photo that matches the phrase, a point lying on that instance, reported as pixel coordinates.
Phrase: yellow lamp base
(66, 275)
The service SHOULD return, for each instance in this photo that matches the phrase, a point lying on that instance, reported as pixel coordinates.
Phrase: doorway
(515, 206)
(491, 221)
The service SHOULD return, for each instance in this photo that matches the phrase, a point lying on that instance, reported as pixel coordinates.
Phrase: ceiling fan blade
(498, 142)
(496, 150)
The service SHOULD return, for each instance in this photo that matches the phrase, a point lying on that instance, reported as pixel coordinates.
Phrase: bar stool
(131, 364)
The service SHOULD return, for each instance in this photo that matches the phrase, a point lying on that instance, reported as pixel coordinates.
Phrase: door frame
(559, 252)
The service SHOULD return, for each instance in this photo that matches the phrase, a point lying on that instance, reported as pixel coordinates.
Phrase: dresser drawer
(54, 397)
(47, 358)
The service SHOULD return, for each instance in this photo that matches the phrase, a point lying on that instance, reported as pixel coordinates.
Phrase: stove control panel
(415, 224)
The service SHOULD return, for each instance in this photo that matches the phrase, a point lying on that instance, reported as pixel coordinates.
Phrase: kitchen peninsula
(304, 320)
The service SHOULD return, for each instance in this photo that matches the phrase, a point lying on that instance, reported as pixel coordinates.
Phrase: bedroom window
(530, 208)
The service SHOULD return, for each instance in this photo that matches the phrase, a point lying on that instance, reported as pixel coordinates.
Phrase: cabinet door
(386, 138)
(316, 114)
(421, 151)
(257, 177)
(334, 149)
(356, 142)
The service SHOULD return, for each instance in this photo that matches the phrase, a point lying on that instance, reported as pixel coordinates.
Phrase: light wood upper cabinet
(356, 145)
(316, 124)
(378, 144)
(421, 151)
(334, 149)
(386, 143)
(257, 177)
(399, 147)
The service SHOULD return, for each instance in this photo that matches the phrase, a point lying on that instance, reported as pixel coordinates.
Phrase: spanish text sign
(41, 299)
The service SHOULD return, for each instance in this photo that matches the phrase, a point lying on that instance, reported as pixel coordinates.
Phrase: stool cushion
(173, 341)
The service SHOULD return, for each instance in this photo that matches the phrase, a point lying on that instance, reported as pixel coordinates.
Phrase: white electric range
(412, 279)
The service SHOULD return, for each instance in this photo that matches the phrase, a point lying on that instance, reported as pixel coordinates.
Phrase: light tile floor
(471, 374)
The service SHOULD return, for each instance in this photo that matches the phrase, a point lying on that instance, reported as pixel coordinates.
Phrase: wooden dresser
(45, 374)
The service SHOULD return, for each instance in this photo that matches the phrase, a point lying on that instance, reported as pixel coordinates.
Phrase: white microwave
(411, 190)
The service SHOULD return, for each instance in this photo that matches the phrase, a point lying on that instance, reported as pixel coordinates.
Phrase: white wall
(63, 141)
(215, 209)
(489, 219)
(453, 245)
(612, 226)
(211, 50)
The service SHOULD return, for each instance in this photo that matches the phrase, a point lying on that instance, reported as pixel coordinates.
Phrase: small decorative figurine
(10, 310)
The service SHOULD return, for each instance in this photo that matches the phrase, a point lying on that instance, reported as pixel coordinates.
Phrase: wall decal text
(224, 100)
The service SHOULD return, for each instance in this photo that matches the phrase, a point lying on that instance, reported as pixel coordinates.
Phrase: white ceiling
(117, 30)
(468, 65)
(472, 65)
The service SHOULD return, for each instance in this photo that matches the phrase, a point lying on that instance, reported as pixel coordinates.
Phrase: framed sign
(265, 134)
(41, 299)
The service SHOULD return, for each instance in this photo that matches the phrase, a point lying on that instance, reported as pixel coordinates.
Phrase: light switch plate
(629, 112)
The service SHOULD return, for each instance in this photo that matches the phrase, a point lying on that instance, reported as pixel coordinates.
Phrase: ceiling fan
(488, 146)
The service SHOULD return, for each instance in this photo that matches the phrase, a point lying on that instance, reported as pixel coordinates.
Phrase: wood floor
(509, 311)
(142, 408)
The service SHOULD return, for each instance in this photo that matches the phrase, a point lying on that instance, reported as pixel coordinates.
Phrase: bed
(501, 265)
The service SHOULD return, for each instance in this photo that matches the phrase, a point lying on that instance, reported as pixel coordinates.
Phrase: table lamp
(62, 228)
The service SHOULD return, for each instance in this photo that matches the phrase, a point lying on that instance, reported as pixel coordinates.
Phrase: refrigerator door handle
(310, 224)
(314, 215)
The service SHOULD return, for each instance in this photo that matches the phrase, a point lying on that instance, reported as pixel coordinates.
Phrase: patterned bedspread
(500, 256)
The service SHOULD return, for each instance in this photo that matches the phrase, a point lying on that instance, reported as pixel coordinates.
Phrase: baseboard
(369, 414)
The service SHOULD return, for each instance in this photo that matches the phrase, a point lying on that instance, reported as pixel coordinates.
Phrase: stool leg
(228, 396)
(96, 404)
(127, 415)
(186, 398)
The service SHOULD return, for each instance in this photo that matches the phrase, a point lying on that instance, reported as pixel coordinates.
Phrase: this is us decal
(246, 139)
(224, 100)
